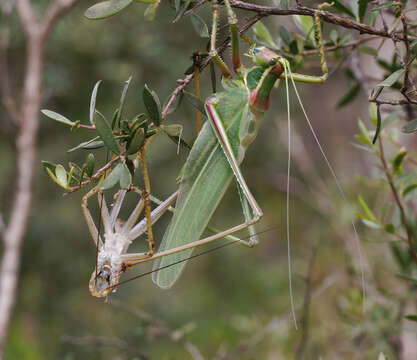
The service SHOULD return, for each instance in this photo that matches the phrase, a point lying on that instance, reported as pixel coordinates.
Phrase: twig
(398, 201)
(184, 82)
(306, 307)
(352, 43)
(324, 15)
(277, 323)
(103, 341)
(94, 177)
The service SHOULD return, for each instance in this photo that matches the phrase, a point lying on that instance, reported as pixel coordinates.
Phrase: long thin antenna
(229, 242)
(339, 187)
(288, 197)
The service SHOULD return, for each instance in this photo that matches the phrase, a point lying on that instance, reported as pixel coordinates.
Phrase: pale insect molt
(112, 258)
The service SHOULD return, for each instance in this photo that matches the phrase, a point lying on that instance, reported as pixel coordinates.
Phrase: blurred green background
(232, 303)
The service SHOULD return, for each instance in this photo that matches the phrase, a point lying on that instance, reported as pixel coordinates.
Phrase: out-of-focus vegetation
(234, 302)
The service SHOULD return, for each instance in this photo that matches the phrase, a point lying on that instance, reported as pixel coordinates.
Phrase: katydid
(234, 116)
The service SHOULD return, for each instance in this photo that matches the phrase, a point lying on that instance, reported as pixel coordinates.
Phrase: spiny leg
(148, 209)
(89, 219)
(323, 63)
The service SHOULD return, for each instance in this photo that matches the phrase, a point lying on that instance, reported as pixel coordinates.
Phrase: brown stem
(397, 200)
(94, 177)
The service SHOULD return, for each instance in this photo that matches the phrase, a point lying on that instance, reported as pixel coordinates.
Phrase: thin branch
(103, 341)
(352, 43)
(54, 11)
(324, 15)
(94, 177)
(184, 82)
(398, 201)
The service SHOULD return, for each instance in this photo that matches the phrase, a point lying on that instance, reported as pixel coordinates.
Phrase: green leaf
(368, 50)
(392, 79)
(122, 101)
(83, 144)
(378, 125)
(61, 175)
(113, 178)
(384, 6)
(153, 105)
(342, 8)
(397, 161)
(363, 4)
(106, 9)
(174, 132)
(285, 4)
(389, 228)
(105, 132)
(368, 212)
(57, 117)
(94, 145)
(411, 317)
(195, 102)
(150, 12)
(199, 25)
(93, 101)
(136, 142)
(285, 35)
(407, 277)
(371, 224)
(125, 177)
(355, 8)
(349, 96)
(181, 11)
(409, 190)
(410, 127)
(48, 165)
(306, 25)
(89, 165)
(262, 32)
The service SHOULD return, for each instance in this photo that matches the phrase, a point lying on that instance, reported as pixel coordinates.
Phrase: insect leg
(88, 218)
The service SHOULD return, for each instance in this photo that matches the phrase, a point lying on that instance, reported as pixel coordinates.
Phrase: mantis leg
(316, 79)
(89, 219)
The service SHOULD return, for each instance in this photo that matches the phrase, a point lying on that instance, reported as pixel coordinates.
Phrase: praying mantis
(234, 117)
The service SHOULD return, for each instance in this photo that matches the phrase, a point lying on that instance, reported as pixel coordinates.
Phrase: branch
(54, 11)
(103, 341)
(324, 15)
(398, 201)
(184, 82)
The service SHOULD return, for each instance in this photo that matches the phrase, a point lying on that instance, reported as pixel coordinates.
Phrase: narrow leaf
(199, 26)
(378, 125)
(105, 132)
(89, 165)
(411, 317)
(195, 101)
(410, 127)
(61, 175)
(153, 105)
(113, 178)
(125, 177)
(349, 96)
(122, 101)
(48, 165)
(93, 101)
(83, 144)
(366, 209)
(392, 79)
(136, 142)
(285, 35)
(262, 32)
(57, 117)
(342, 8)
(106, 9)
(397, 161)
(150, 12)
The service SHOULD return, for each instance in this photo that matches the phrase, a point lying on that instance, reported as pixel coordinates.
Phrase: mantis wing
(204, 180)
